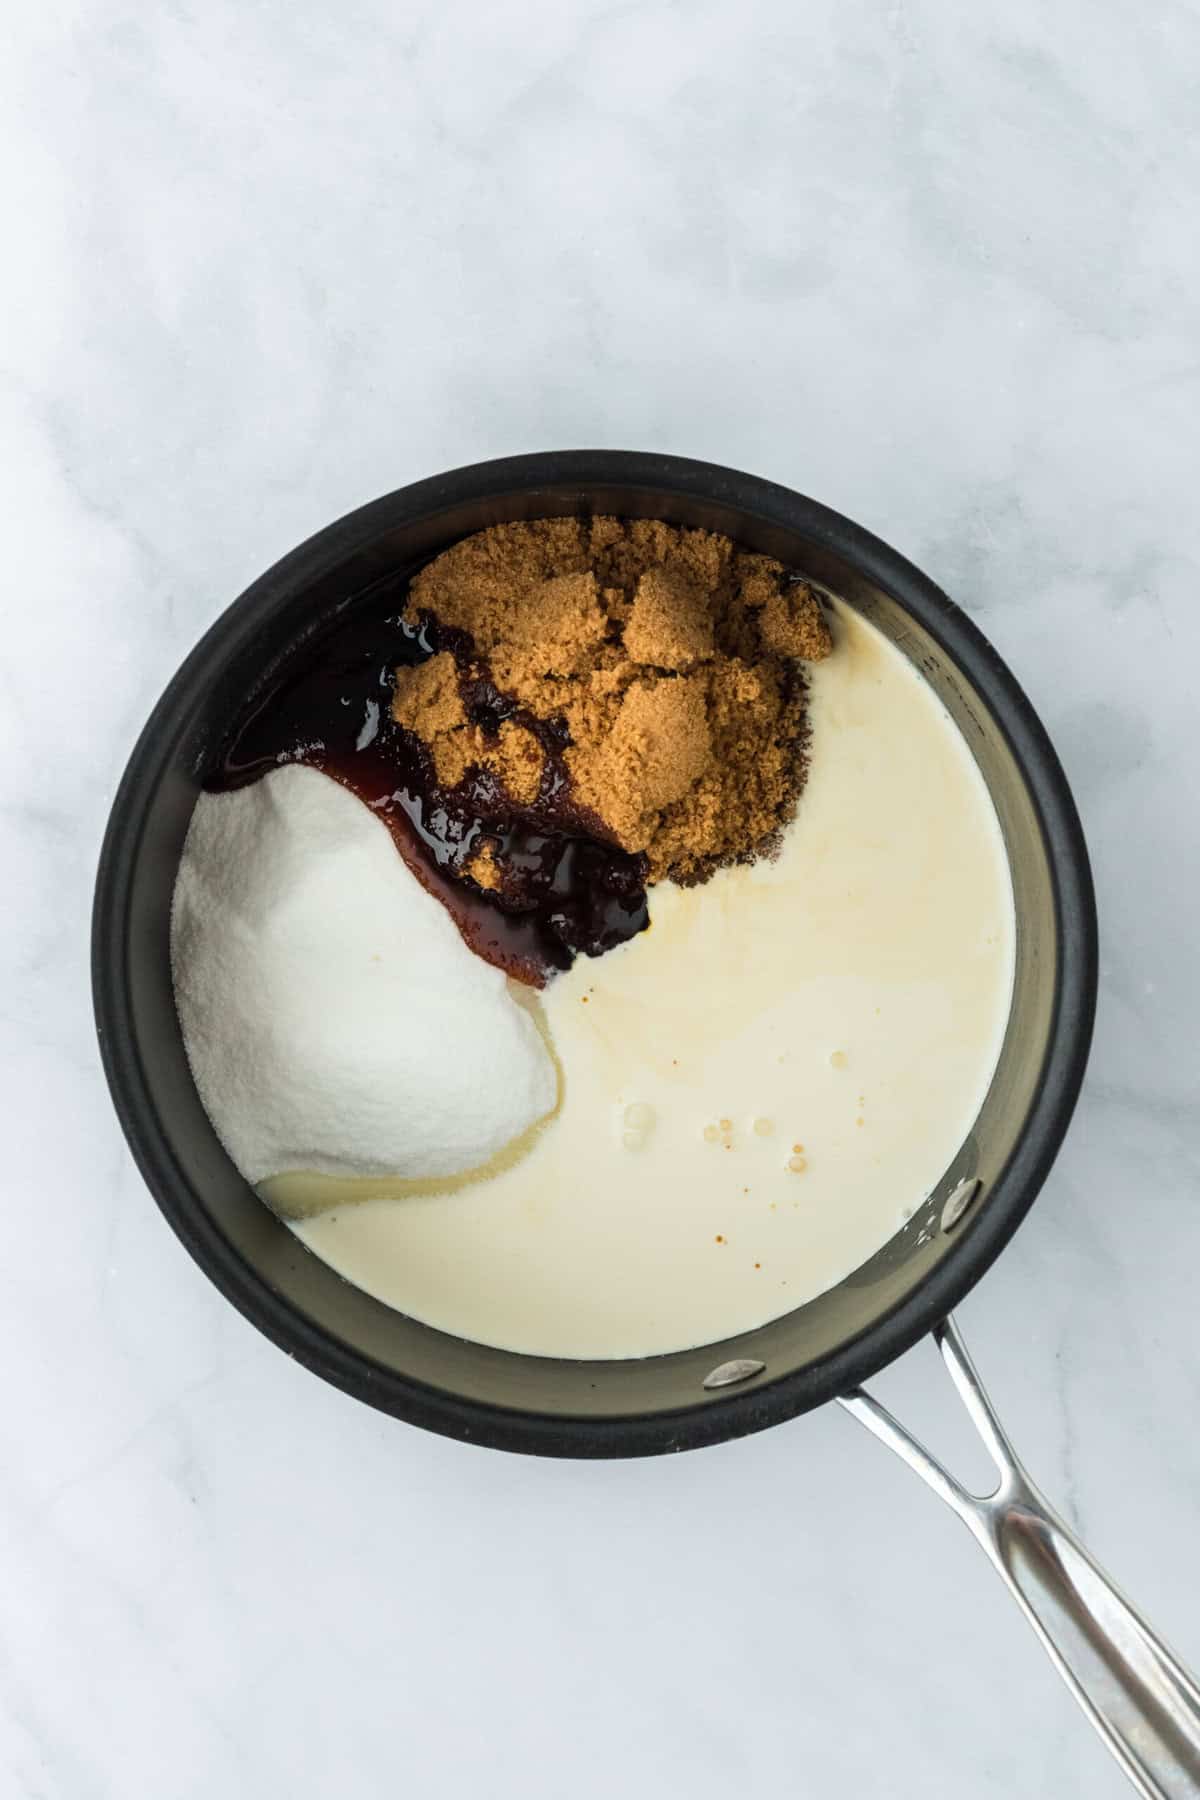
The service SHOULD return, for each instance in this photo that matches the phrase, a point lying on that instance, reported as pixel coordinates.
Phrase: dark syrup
(564, 890)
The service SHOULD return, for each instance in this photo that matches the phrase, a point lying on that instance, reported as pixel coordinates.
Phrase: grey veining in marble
(934, 264)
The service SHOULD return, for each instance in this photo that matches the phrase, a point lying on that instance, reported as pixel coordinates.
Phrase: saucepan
(1142, 1701)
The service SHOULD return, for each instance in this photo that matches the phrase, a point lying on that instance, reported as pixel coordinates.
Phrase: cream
(759, 1089)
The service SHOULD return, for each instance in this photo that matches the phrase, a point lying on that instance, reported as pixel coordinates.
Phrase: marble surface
(935, 265)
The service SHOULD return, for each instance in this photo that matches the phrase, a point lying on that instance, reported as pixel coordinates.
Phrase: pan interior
(328, 1311)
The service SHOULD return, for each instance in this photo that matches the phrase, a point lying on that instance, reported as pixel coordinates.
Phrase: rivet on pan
(958, 1200)
(740, 1369)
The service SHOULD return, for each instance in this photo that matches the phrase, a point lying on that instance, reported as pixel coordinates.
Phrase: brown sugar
(482, 867)
(657, 669)
(518, 761)
(793, 624)
(428, 701)
(656, 751)
(668, 625)
(520, 587)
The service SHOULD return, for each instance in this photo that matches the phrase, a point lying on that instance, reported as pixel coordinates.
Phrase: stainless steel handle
(1140, 1698)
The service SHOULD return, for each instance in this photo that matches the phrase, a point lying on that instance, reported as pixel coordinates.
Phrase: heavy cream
(757, 1091)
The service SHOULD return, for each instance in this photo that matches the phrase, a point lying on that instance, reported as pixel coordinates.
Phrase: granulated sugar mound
(334, 1019)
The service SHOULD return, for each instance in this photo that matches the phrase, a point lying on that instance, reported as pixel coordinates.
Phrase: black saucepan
(824, 1349)
(526, 1403)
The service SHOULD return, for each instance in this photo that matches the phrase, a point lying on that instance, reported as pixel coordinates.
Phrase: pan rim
(731, 1414)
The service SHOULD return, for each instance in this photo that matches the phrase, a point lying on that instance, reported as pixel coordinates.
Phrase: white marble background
(934, 264)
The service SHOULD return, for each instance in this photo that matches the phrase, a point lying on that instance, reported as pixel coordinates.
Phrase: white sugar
(334, 1018)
